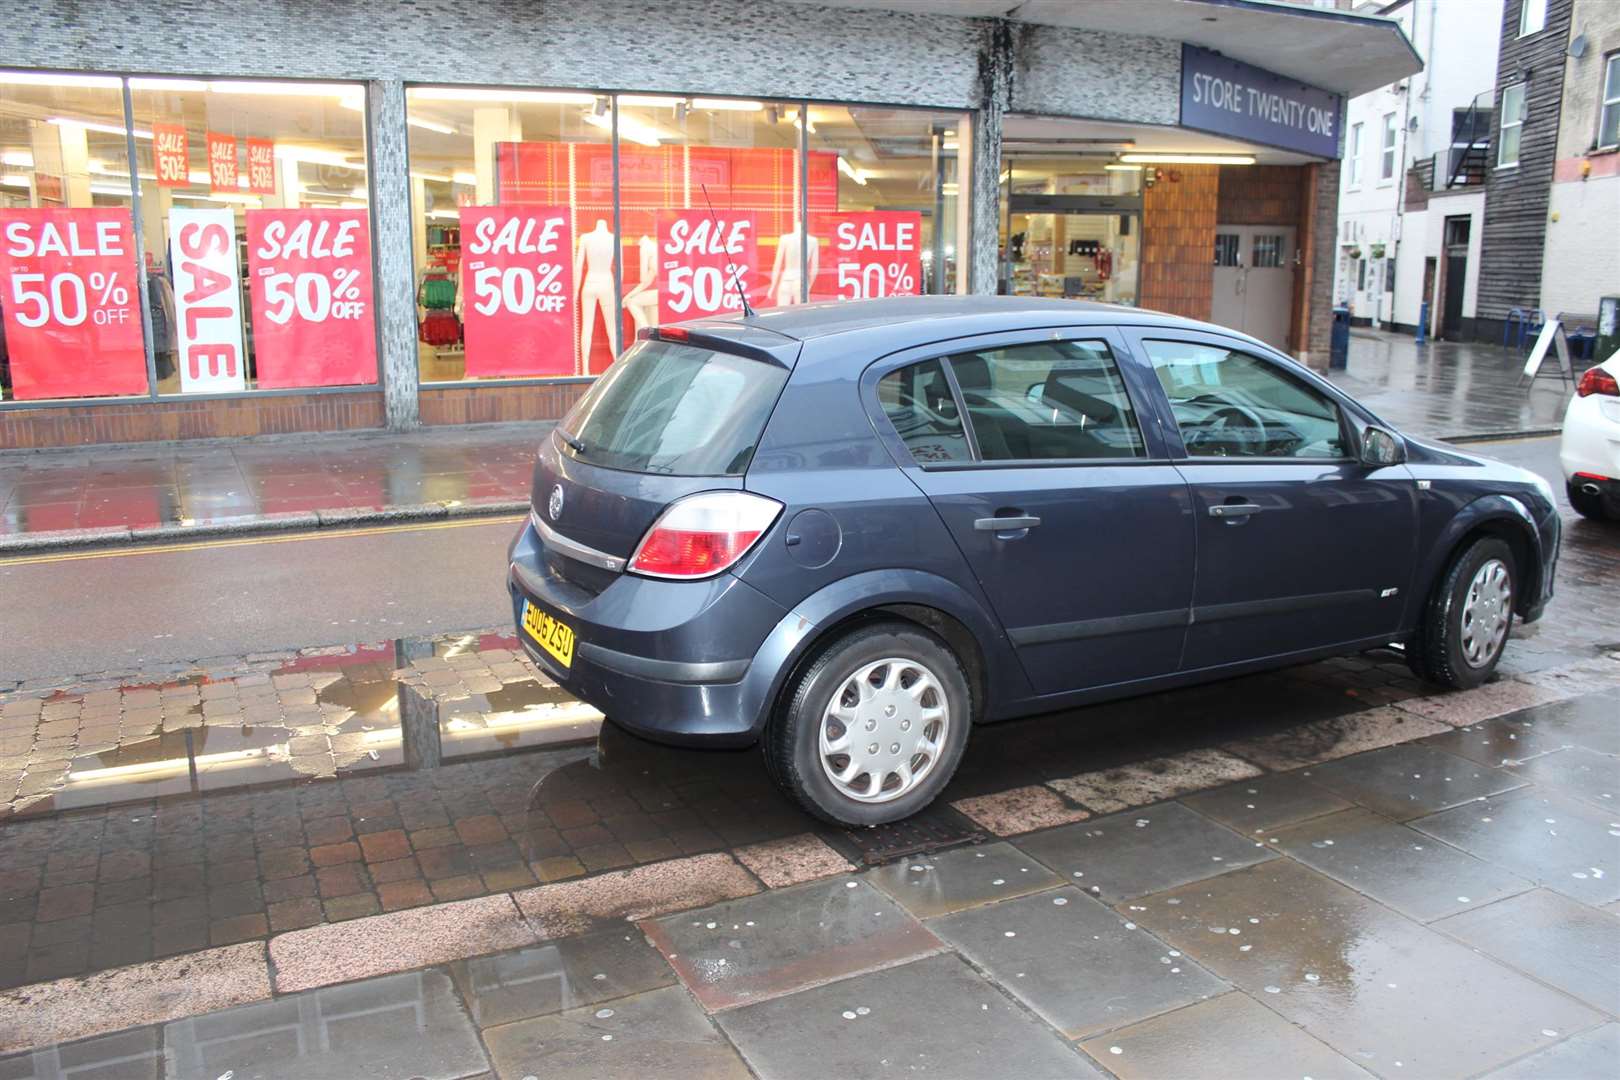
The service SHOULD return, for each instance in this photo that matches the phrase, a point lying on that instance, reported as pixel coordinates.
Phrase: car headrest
(972, 371)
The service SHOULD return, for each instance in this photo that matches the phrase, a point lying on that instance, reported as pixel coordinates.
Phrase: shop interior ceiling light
(13, 180)
(1187, 159)
(629, 128)
(22, 78)
(472, 93)
(108, 129)
(652, 101)
(1118, 166)
(727, 105)
(857, 175)
(17, 159)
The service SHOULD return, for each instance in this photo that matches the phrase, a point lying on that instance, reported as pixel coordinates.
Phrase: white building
(1406, 239)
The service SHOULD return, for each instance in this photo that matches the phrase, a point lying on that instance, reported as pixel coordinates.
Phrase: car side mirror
(1380, 448)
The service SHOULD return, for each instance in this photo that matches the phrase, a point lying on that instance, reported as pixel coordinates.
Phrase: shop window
(1507, 152)
(709, 205)
(1268, 251)
(254, 213)
(1073, 251)
(70, 321)
(512, 200)
(1609, 119)
(888, 211)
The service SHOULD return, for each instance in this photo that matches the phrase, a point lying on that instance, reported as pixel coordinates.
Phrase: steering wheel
(1231, 425)
(919, 403)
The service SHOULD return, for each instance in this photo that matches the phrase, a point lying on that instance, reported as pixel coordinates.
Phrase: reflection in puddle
(517, 715)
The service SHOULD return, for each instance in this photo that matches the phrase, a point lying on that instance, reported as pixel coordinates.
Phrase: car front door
(1301, 546)
(1062, 501)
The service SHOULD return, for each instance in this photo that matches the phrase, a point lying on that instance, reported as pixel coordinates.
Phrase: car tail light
(1597, 381)
(701, 535)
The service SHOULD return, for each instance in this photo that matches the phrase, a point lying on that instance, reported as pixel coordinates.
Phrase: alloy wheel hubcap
(1487, 613)
(883, 730)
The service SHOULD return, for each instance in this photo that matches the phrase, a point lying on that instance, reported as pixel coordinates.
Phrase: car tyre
(1462, 634)
(1591, 507)
(929, 695)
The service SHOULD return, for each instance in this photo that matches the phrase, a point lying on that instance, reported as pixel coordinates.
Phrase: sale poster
(517, 288)
(207, 301)
(311, 291)
(68, 289)
(221, 162)
(704, 260)
(171, 158)
(261, 166)
(868, 254)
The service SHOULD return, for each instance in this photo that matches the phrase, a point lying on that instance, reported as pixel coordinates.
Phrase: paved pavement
(1449, 390)
(141, 493)
(331, 861)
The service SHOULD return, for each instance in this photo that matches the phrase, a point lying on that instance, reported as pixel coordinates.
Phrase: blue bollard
(1423, 323)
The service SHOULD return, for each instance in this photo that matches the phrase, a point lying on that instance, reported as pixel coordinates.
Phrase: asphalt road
(83, 612)
(78, 613)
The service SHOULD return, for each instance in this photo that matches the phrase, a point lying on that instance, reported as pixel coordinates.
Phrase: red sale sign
(517, 287)
(312, 298)
(221, 162)
(261, 166)
(67, 284)
(170, 156)
(703, 259)
(867, 254)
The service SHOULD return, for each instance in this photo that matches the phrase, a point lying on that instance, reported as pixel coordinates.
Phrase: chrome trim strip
(573, 548)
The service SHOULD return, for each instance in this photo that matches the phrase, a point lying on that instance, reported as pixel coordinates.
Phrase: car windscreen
(670, 408)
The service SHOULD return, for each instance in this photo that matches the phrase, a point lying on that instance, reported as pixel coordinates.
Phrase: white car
(1590, 449)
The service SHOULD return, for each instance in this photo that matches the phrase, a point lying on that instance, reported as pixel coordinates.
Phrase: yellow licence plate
(556, 637)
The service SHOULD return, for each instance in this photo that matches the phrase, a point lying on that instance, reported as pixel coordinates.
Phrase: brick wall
(495, 403)
(1318, 238)
(1178, 240)
(142, 420)
(1259, 195)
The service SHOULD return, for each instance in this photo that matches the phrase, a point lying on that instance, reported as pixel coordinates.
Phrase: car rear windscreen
(668, 408)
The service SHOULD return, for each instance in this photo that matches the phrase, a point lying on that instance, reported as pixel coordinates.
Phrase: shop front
(457, 228)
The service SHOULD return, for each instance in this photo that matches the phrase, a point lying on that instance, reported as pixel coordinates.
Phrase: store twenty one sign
(1229, 97)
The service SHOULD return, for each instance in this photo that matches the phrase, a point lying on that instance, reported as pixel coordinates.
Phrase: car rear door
(1063, 503)
(1300, 545)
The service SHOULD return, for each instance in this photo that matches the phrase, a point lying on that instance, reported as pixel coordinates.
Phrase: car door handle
(1005, 524)
(1234, 510)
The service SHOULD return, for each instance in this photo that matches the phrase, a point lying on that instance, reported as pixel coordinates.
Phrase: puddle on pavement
(354, 727)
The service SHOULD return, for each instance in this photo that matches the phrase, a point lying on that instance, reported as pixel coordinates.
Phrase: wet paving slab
(1589, 1054)
(1251, 807)
(1577, 772)
(1561, 942)
(1142, 851)
(1230, 1037)
(1381, 990)
(1404, 782)
(951, 881)
(868, 1025)
(1397, 866)
(1037, 946)
(1555, 842)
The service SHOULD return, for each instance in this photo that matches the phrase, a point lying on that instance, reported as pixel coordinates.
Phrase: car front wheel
(1466, 623)
(873, 728)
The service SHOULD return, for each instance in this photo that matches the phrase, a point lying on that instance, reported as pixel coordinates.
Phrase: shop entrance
(1076, 247)
(1254, 280)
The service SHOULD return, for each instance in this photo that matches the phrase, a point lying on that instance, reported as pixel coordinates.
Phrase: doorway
(1457, 233)
(1254, 280)
(1072, 228)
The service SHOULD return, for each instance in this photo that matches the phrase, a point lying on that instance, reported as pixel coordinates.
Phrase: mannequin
(642, 300)
(785, 277)
(593, 269)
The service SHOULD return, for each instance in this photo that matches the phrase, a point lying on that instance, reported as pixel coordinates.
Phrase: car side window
(918, 402)
(1048, 400)
(1232, 404)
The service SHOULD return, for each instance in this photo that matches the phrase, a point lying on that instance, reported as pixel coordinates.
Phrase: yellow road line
(244, 541)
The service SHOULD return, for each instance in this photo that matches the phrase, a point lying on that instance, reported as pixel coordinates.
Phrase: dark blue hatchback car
(851, 531)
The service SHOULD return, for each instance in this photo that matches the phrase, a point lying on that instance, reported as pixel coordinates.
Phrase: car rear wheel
(1586, 505)
(1468, 618)
(873, 729)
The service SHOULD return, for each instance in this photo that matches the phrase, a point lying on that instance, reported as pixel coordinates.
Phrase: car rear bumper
(1590, 443)
(672, 660)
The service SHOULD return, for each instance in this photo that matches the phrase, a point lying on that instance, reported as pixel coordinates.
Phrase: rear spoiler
(736, 338)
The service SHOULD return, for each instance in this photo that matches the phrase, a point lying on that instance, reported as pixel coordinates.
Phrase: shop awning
(1346, 52)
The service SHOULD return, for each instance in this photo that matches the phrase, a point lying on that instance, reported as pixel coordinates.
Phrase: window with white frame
(1507, 144)
(1355, 154)
(1532, 17)
(1386, 165)
(1609, 118)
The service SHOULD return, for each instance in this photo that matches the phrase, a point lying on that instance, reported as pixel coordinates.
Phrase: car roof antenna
(736, 277)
